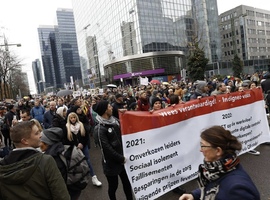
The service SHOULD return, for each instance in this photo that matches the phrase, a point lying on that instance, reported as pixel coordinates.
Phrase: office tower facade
(59, 50)
(206, 25)
(123, 40)
(38, 78)
(245, 31)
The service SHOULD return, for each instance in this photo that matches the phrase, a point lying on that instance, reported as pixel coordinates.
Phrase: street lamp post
(18, 45)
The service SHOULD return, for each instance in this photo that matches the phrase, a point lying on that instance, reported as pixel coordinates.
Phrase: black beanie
(52, 135)
(74, 109)
(101, 107)
(155, 99)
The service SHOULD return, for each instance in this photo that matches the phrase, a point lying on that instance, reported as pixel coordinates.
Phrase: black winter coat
(109, 139)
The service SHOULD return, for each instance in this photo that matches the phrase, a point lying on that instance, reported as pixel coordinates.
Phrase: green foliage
(196, 63)
(237, 66)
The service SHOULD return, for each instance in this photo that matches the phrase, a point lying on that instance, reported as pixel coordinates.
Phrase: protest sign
(163, 148)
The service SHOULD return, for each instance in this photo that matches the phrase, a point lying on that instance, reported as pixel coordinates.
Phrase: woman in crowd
(78, 136)
(156, 104)
(143, 102)
(252, 85)
(59, 120)
(133, 106)
(221, 175)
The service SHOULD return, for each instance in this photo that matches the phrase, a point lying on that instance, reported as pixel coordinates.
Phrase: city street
(256, 166)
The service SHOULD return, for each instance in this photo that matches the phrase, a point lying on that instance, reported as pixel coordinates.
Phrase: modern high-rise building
(123, 40)
(38, 78)
(206, 25)
(245, 31)
(59, 50)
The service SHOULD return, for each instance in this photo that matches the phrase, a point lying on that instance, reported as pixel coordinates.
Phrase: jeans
(85, 151)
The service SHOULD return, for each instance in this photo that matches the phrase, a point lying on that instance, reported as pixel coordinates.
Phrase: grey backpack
(78, 172)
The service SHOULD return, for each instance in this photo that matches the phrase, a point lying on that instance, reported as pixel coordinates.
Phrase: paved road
(258, 168)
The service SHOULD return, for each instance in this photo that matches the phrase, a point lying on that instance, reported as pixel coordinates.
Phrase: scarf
(75, 128)
(111, 121)
(212, 171)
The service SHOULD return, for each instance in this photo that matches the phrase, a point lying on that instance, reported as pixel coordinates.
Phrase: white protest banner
(76, 93)
(163, 148)
(144, 81)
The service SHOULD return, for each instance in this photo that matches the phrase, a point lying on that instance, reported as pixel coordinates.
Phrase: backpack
(78, 171)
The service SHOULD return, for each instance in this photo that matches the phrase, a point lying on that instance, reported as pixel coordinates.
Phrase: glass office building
(59, 50)
(38, 78)
(69, 60)
(49, 59)
(122, 40)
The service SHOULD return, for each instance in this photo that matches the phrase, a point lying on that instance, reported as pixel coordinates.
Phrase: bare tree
(8, 64)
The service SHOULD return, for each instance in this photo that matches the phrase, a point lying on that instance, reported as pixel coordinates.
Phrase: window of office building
(261, 32)
(261, 40)
(253, 57)
(260, 23)
(267, 24)
(252, 40)
(250, 13)
(253, 49)
(267, 32)
(251, 31)
(251, 22)
(258, 14)
(268, 41)
(262, 49)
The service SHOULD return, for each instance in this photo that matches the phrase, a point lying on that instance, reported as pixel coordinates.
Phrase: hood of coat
(19, 172)
(55, 149)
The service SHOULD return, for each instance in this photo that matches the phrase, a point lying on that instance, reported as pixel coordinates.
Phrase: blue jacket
(48, 119)
(236, 185)
(37, 113)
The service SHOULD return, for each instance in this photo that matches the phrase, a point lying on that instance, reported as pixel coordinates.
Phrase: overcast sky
(19, 19)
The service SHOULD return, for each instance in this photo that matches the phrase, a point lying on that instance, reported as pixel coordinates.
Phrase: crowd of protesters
(78, 116)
